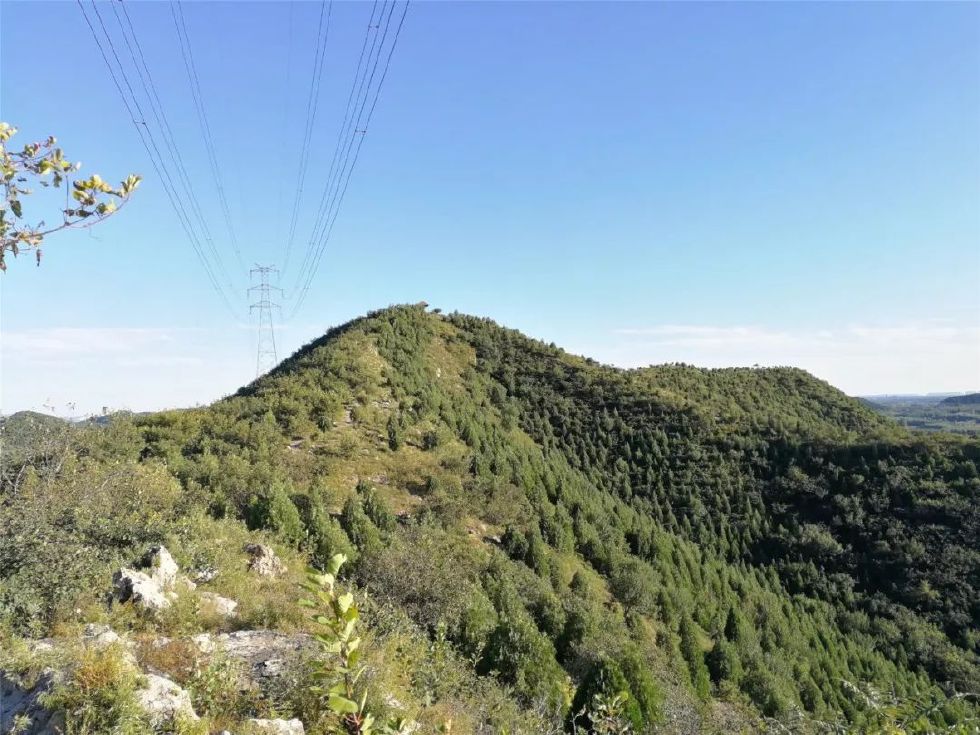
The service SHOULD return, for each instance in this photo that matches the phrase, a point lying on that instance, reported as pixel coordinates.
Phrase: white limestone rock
(278, 727)
(160, 566)
(164, 701)
(141, 589)
(218, 605)
(264, 561)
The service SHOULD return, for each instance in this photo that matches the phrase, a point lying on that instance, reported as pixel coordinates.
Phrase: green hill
(970, 399)
(954, 415)
(725, 546)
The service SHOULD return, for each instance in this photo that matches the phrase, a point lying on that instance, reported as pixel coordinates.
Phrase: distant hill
(20, 419)
(21, 430)
(956, 414)
(970, 399)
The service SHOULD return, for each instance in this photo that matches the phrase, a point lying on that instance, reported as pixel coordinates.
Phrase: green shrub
(525, 659)
(275, 511)
(761, 687)
(375, 507)
(326, 539)
(604, 680)
(642, 688)
(359, 528)
(694, 657)
(723, 662)
(62, 534)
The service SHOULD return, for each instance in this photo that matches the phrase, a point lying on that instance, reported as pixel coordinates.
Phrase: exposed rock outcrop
(130, 585)
(277, 727)
(152, 583)
(205, 575)
(99, 636)
(264, 561)
(160, 566)
(21, 710)
(218, 605)
(164, 701)
(265, 656)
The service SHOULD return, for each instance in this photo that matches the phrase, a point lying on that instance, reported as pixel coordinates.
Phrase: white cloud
(916, 357)
(136, 368)
(81, 370)
(65, 342)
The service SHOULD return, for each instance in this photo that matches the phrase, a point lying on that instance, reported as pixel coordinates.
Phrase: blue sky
(771, 183)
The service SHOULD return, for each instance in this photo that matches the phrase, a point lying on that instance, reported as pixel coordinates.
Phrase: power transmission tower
(266, 359)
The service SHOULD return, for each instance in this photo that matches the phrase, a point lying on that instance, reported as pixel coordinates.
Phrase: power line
(360, 73)
(153, 151)
(329, 229)
(312, 103)
(361, 104)
(285, 111)
(177, 11)
(169, 142)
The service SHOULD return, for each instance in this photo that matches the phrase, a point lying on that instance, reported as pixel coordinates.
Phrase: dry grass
(97, 670)
(175, 658)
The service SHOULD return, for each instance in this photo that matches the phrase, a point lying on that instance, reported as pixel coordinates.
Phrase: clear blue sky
(720, 184)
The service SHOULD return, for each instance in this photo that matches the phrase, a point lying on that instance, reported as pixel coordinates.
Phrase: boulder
(160, 566)
(184, 584)
(152, 583)
(268, 661)
(264, 659)
(264, 561)
(218, 604)
(140, 589)
(41, 646)
(205, 575)
(204, 642)
(164, 701)
(277, 727)
(271, 668)
(257, 647)
(99, 636)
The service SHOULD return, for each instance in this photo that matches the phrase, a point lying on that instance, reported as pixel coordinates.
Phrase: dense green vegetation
(727, 548)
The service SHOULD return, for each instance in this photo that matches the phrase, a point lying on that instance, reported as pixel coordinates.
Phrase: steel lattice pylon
(266, 357)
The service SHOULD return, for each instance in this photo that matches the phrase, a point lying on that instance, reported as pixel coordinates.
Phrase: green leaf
(345, 601)
(341, 705)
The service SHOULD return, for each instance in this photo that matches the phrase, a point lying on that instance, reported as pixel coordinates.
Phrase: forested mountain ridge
(792, 443)
(723, 546)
